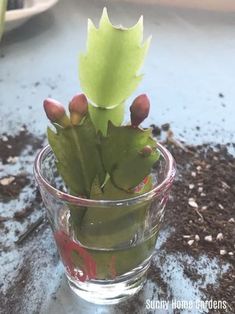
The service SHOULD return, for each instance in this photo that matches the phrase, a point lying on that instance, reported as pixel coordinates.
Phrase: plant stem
(79, 150)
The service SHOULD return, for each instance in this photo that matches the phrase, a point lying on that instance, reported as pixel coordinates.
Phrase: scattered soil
(132, 305)
(156, 130)
(15, 296)
(23, 213)
(11, 186)
(26, 211)
(224, 290)
(12, 190)
(13, 146)
(155, 275)
(202, 208)
(2, 219)
(191, 273)
(202, 211)
(165, 127)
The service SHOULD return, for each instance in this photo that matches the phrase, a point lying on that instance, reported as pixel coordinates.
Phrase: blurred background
(189, 71)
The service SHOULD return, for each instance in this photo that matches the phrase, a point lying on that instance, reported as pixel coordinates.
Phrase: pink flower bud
(79, 105)
(146, 151)
(139, 109)
(54, 110)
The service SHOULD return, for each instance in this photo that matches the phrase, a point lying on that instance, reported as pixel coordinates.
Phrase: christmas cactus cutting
(108, 235)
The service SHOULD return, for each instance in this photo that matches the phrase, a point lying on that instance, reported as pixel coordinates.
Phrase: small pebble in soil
(192, 203)
(4, 138)
(193, 174)
(223, 252)
(12, 160)
(191, 186)
(23, 128)
(7, 180)
(232, 220)
(190, 242)
(225, 185)
(197, 238)
(219, 236)
(208, 238)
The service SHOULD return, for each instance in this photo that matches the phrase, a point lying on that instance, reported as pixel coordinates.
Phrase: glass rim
(79, 201)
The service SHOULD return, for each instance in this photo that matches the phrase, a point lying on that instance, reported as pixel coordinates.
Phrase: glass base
(110, 291)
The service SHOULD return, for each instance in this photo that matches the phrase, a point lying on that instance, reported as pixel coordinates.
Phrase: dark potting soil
(202, 208)
(13, 146)
(13, 189)
(201, 211)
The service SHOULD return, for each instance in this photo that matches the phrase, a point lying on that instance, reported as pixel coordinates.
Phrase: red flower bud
(79, 104)
(139, 109)
(55, 112)
(146, 151)
(78, 108)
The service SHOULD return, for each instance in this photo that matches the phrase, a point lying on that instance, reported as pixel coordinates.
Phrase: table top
(189, 76)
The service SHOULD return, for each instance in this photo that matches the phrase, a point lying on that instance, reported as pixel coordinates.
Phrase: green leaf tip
(109, 70)
(77, 155)
(124, 155)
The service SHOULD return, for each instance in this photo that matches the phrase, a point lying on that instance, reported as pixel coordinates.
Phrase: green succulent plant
(96, 155)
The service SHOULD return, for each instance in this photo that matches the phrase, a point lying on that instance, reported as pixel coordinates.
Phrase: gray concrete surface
(191, 61)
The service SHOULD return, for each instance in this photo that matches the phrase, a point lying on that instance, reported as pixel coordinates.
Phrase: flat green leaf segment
(112, 227)
(100, 228)
(109, 69)
(111, 192)
(122, 157)
(78, 157)
(100, 117)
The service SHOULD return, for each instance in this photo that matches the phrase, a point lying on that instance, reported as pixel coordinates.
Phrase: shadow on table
(65, 301)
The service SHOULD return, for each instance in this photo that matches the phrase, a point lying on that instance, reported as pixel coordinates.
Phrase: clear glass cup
(107, 246)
